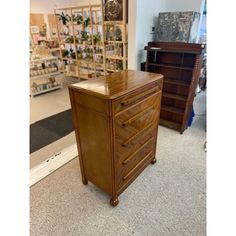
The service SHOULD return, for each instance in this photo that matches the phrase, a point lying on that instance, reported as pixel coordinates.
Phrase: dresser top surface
(116, 84)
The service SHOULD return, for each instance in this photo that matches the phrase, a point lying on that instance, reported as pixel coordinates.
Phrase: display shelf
(96, 25)
(116, 37)
(120, 22)
(43, 59)
(173, 109)
(170, 124)
(176, 82)
(89, 31)
(46, 75)
(175, 96)
(180, 63)
(54, 49)
(42, 82)
(71, 74)
(170, 66)
(115, 57)
(46, 90)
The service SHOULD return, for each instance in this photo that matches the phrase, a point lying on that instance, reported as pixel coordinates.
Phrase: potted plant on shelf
(119, 65)
(87, 22)
(64, 52)
(97, 38)
(79, 53)
(64, 18)
(84, 36)
(77, 18)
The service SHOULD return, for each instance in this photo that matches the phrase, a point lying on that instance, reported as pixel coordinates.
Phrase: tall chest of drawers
(116, 121)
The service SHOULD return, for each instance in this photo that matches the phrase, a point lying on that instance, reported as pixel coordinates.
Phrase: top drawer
(138, 95)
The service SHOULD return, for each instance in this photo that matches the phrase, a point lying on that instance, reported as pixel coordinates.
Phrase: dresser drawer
(124, 151)
(128, 162)
(129, 176)
(134, 97)
(137, 118)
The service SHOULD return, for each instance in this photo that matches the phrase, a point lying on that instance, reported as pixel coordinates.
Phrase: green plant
(64, 18)
(64, 52)
(73, 56)
(97, 38)
(87, 22)
(119, 65)
(84, 36)
(70, 39)
(77, 18)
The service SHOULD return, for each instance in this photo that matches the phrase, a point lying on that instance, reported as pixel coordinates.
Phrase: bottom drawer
(128, 177)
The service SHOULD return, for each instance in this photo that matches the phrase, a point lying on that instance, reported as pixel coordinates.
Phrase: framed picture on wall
(113, 10)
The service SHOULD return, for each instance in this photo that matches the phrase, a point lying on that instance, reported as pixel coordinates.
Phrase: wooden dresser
(116, 120)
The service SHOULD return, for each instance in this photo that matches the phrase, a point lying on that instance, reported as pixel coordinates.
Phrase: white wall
(142, 15)
(184, 5)
(45, 6)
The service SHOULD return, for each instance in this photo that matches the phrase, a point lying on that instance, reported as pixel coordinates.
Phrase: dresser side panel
(95, 146)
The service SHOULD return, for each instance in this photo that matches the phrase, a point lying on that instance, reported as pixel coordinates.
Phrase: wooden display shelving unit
(116, 39)
(83, 56)
(45, 79)
(180, 63)
(81, 49)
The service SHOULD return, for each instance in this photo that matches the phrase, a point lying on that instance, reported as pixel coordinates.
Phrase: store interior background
(221, 173)
(141, 19)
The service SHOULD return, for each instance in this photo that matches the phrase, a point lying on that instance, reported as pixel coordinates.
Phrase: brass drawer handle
(135, 117)
(138, 150)
(142, 95)
(136, 167)
(137, 134)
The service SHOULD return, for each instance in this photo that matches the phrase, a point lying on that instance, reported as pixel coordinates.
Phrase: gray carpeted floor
(167, 199)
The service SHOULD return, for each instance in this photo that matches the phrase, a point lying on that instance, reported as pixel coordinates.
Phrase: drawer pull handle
(137, 166)
(137, 134)
(135, 117)
(142, 95)
(137, 151)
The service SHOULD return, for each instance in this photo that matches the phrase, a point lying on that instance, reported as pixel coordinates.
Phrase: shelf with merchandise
(46, 71)
(82, 36)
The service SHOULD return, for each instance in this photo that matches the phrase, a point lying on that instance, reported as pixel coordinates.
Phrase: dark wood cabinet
(180, 63)
(116, 120)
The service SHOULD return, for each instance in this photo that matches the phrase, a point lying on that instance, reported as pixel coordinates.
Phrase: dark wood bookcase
(180, 63)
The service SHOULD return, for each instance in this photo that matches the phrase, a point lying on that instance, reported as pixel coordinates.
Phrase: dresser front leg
(114, 201)
(153, 161)
(85, 181)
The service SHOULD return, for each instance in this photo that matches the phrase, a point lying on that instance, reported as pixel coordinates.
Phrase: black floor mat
(50, 129)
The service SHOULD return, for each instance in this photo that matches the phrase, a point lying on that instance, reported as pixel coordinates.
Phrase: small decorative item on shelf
(97, 38)
(119, 65)
(64, 18)
(71, 39)
(64, 52)
(87, 22)
(84, 36)
(113, 10)
(77, 18)
(79, 53)
(73, 56)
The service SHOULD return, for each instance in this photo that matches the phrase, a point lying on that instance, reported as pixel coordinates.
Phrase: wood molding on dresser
(116, 120)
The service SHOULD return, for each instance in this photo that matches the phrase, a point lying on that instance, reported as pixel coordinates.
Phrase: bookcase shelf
(180, 63)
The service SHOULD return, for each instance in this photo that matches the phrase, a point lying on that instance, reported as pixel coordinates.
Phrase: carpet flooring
(50, 129)
(167, 199)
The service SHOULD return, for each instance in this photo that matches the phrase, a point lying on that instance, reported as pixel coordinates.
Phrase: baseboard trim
(52, 163)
